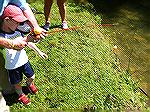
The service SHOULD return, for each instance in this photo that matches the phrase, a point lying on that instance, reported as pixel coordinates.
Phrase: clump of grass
(82, 73)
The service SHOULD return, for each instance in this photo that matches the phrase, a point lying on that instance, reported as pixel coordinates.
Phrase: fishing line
(77, 27)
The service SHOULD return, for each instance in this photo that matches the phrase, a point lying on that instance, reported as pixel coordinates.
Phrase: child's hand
(43, 55)
(17, 44)
(40, 33)
(36, 35)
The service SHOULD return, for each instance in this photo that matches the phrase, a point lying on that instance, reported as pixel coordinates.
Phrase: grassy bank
(82, 73)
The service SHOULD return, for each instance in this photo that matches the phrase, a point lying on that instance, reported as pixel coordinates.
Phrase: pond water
(132, 36)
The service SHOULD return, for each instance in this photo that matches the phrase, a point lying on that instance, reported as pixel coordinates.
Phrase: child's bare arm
(30, 38)
(36, 49)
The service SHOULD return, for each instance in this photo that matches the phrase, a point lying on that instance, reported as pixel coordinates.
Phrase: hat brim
(20, 18)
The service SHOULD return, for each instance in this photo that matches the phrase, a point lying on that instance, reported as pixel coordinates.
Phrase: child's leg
(30, 80)
(29, 73)
(31, 85)
(15, 77)
(22, 97)
(18, 89)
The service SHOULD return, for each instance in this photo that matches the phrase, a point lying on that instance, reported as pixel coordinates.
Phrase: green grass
(82, 72)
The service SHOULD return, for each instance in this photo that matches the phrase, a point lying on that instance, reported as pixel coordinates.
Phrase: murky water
(132, 36)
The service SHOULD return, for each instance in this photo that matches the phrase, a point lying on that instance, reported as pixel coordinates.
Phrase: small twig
(129, 59)
(144, 92)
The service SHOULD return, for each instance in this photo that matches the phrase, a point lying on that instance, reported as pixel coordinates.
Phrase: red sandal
(33, 88)
(24, 99)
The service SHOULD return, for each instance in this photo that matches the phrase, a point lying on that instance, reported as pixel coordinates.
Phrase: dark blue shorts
(16, 75)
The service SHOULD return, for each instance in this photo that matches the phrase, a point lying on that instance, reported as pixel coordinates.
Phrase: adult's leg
(47, 8)
(3, 106)
(62, 9)
(5, 85)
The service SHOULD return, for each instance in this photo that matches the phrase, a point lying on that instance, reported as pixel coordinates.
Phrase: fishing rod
(77, 27)
(38, 31)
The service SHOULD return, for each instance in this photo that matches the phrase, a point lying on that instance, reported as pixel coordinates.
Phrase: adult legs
(62, 9)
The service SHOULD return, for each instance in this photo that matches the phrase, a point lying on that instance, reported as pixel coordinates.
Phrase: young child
(17, 62)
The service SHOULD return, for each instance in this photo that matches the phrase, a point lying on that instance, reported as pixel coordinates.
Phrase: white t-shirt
(14, 58)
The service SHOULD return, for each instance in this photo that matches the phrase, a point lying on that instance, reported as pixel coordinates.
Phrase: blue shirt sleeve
(20, 3)
(3, 3)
